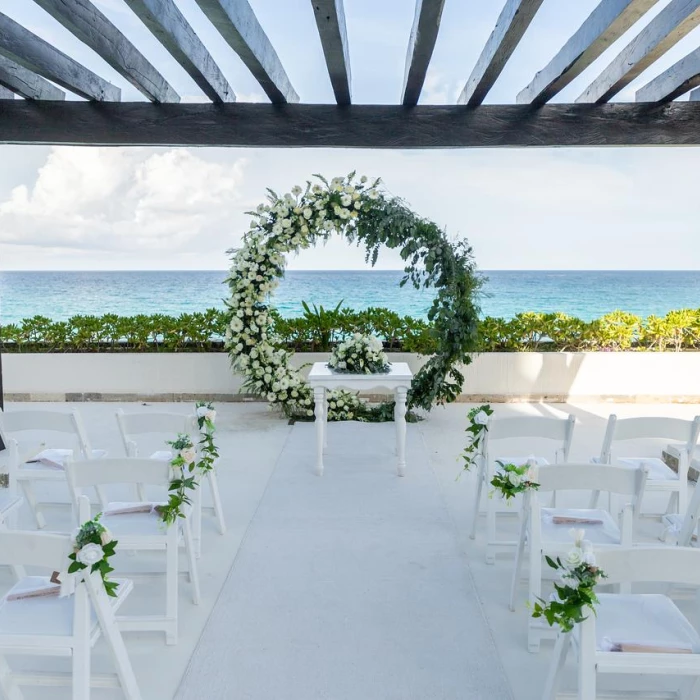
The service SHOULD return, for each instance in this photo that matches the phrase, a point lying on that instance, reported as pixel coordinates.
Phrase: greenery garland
(362, 212)
(208, 451)
(182, 465)
(478, 418)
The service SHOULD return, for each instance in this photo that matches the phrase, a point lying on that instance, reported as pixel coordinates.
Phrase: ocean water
(587, 294)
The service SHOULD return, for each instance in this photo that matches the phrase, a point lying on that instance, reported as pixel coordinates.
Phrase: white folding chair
(682, 529)
(142, 531)
(635, 634)
(661, 477)
(10, 502)
(133, 427)
(525, 428)
(39, 422)
(547, 530)
(49, 625)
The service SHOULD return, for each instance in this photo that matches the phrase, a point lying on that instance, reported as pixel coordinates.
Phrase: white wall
(628, 376)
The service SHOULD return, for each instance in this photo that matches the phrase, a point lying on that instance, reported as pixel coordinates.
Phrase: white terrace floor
(355, 586)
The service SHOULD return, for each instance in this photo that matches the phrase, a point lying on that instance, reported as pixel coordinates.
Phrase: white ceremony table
(397, 379)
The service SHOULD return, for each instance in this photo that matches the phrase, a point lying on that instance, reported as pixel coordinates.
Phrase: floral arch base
(363, 212)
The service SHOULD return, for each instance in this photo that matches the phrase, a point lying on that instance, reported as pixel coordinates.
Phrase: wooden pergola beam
(605, 25)
(421, 44)
(82, 19)
(169, 26)
(512, 24)
(27, 84)
(238, 25)
(330, 20)
(36, 55)
(674, 22)
(354, 126)
(6, 94)
(680, 78)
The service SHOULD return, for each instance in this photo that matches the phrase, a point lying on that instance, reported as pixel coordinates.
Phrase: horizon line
(392, 269)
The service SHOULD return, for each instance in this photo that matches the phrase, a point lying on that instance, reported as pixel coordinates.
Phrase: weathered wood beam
(605, 25)
(330, 20)
(33, 53)
(426, 25)
(238, 25)
(169, 26)
(674, 22)
(354, 126)
(27, 84)
(6, 94)
(680, 78)
(87, 23)
(512, 24)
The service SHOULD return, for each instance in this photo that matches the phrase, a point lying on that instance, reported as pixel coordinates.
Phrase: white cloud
(122, 199)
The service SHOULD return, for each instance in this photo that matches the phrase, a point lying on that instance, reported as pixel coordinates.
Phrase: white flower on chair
(90, 554)
(189, 454)
(481, 418)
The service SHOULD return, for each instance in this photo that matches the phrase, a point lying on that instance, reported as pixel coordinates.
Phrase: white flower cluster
(360, 354)
(582, 553)
(343, 404)
(283, 225)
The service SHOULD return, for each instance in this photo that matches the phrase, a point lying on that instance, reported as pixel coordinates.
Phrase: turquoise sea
(586, 294)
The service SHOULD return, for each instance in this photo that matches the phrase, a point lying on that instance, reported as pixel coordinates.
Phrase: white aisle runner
(348, 586)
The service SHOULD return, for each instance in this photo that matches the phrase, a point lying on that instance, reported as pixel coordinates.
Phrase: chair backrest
(690, 520)
(592, 477)
(42, 420)
(121, 470)
(42, 549)
(649, 427)
(650, 564)
(543, 427)
(12, 464)
(166, 424)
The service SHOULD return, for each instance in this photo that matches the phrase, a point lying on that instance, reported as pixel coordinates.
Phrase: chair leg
(28, 490)
(586, 662)
(18, 571)
(534, 592)
(10, 690)
(518, 564)
(171, 576)
(81, 648)
(196, 520)
(477, 500)
(561, 649)
(191, 561)
(216, 499)
(490, 530)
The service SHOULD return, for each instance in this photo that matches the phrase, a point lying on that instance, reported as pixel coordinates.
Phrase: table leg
(325, 420)
(400, 420)
(320, 405)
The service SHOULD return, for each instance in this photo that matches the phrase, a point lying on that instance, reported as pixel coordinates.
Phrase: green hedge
(318, 329)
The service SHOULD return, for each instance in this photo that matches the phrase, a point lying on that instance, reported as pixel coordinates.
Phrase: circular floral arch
(361, 211)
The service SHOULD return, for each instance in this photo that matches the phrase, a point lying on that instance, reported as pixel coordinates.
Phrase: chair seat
(56, 455)
(605, 532)
(132, 524)
(164, 455)
(48, 616)
(650, 620)
(8, 503)
(658, 470)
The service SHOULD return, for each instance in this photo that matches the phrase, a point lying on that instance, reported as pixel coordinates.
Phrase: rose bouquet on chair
(575, 592)
(93, 545)
(514, 479)
(360, 354)
(478, 418)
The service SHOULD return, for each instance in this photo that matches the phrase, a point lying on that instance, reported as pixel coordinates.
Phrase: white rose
(106, 537)
(346, 200)
(188, 455)
(481, 418)
(589, 557)
(210, 415)
(201, 411)
(90, 554)
(515, 478)
(574, 557)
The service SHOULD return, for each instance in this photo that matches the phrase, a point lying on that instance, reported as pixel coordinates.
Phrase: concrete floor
(252, 441)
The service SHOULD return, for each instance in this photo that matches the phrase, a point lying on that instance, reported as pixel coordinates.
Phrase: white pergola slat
(94, 29)
(36, 55)
(238, 25)
(25, 83)
(673, 23)
(330, 20)
(512, 24)
(165, 21)
(679, 79)
(421, 44)
(605, 25)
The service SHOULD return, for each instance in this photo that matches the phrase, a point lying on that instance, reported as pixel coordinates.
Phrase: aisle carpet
(348, 587)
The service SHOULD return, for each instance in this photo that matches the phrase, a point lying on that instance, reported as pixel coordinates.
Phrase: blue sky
(80, 208)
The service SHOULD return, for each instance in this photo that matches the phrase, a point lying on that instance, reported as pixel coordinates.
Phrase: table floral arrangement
(575, 592)
(360, 354)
